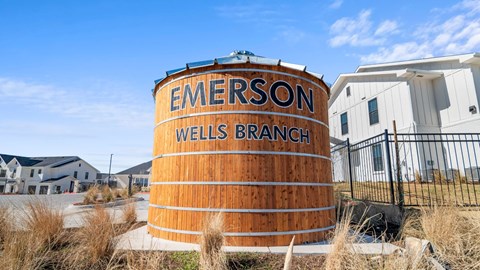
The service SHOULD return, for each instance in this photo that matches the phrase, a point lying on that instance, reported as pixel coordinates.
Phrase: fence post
(389, 168)
(401, 200)
(350, 168)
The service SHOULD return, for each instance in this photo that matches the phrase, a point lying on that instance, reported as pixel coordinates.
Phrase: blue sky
(75, 76)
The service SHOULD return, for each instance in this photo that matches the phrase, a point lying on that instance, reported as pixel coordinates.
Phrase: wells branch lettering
(242, 132)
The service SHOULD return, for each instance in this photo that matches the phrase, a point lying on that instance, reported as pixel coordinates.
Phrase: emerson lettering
(234, 91)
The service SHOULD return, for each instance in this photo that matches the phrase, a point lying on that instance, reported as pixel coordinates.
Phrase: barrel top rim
(237, 57)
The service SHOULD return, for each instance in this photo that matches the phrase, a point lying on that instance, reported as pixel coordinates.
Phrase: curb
(109, 204)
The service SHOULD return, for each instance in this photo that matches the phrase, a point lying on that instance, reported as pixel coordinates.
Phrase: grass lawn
(415, 193)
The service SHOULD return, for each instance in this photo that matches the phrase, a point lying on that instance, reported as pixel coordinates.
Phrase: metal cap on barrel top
(238, 57)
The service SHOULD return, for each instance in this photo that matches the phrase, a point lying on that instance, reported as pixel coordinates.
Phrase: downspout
(414, 123)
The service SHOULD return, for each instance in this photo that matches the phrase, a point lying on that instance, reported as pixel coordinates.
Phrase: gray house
(140, 175)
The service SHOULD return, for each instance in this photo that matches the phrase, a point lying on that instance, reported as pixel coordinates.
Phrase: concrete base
(139, 239)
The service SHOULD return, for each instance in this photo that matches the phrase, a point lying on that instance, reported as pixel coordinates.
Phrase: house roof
(54, 162)
(399, 70)
(51, 180)
(24, 161)
(143, 168)
(470, 58)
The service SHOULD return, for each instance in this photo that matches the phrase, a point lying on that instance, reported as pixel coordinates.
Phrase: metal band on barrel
(237, 183)
(235, 152)
(241, 112)
(245, 233)
(241, 210)
(242, 69)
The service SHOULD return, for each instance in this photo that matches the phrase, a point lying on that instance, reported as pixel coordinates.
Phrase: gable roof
(143, 168)
(54, 162)
(24, 161)
(51, 180)
(400, 70)
(470, 58)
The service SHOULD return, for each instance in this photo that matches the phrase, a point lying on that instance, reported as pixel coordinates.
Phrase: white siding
(393, 100)
(452, 94)
(424, 106)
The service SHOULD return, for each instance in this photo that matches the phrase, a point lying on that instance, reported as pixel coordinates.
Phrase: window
(377, 157)
(3, 173)
(373, 111)
(344, 123)
(39, 171)
(86, 175)
(75, 174)
(79, 164)
(32, 171)
(32, 189)
(348, 91)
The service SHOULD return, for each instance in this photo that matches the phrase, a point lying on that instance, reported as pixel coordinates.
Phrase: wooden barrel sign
(248, 137)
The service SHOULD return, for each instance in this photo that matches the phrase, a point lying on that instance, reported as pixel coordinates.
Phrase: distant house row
(54, 175)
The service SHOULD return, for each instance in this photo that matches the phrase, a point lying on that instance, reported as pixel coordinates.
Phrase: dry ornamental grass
(44, 244)
(212, 257)
(129, 213)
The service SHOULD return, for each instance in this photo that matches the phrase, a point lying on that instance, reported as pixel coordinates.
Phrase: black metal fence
(414, 169)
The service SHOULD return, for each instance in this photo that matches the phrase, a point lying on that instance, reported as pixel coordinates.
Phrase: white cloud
(398, 51)
(456, 32)
(117, 110)
(472, 6)
(387, 27)
(253, 13)
(291, 35)
(359, 31)
(336, 4)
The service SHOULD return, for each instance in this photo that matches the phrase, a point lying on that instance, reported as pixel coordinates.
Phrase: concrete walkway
(74, 216)
(139, 239)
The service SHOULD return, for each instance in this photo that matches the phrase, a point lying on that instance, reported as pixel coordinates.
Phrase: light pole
(109, 170)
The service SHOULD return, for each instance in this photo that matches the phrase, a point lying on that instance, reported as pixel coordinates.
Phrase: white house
(434, 95)
(44, 175)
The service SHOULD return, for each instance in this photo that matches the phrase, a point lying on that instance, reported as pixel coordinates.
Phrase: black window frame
(75, 174)
(344, 126)
(373, 113)
(377, 161)
(86, 175)
(349, 93)
(32, 172)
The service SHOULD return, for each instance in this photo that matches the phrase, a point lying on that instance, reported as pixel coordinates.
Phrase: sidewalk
(139, 239)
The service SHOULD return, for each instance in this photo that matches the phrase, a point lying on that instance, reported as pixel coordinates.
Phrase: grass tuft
(454, 233)
(94, 241)
(5, 224)
(342, 255)
(107, 195)
(129, 212)
(212, 256)
(91, 196)
(44, 222)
